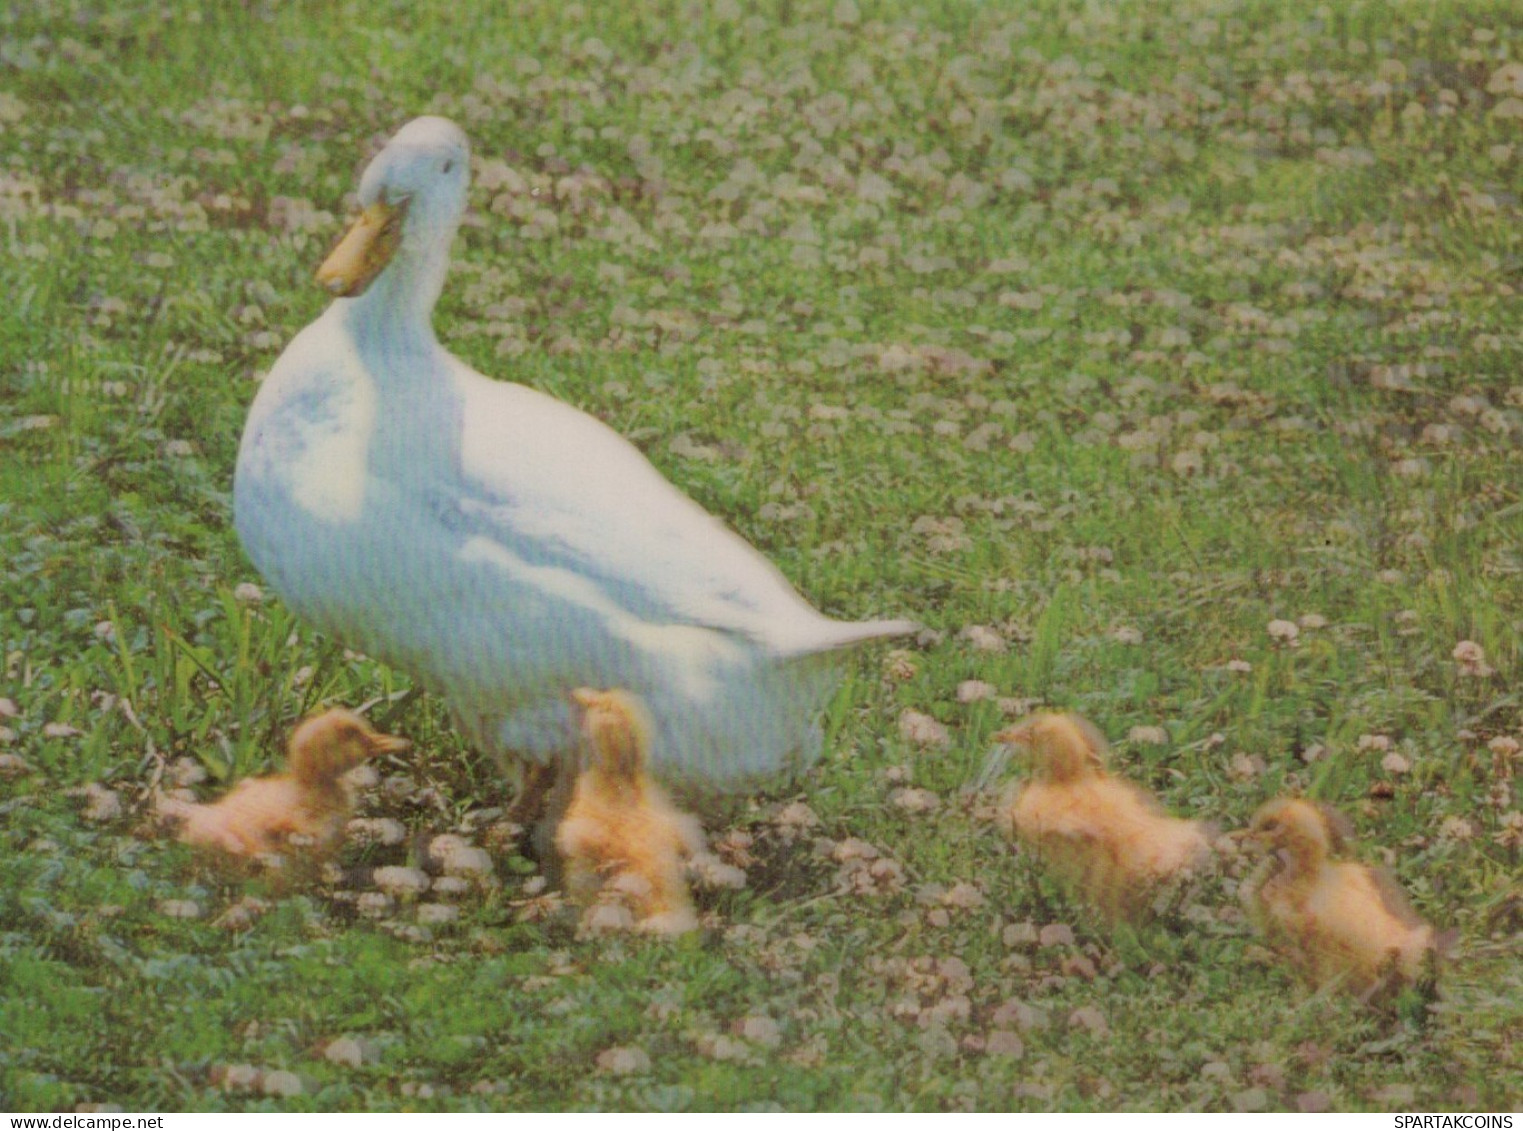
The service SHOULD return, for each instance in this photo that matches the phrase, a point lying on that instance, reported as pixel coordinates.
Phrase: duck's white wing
(562, 491)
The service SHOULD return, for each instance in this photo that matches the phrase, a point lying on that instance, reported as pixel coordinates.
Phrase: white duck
(499, 545)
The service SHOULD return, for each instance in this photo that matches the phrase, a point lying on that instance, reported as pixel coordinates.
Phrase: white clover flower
(624, 1060)
(1456, 828)
(1471, 658)
(982, 638)
(1504, 745)
(923, 730)
(1285, 631)
(973, 690)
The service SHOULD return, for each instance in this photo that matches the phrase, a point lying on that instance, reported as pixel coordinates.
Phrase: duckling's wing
(557, 495)
(1072, 833)
(1383, 886)
(1064, 815)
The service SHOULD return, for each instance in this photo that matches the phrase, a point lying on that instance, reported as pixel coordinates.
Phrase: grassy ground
(1097, 337)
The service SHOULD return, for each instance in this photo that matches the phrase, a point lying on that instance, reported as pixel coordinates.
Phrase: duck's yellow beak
(1019, 735)
(364, 251)
(380, 744)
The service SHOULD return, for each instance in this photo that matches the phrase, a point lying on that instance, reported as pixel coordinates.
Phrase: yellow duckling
(1104, 837)
(1340, 922)
(624, 844)
(259, 815)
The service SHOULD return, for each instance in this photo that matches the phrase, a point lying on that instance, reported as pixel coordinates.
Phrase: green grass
(1053, 318)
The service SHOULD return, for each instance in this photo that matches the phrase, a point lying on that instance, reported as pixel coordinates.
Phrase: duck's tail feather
(834, 635)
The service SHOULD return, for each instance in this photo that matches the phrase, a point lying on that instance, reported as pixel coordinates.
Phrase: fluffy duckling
(1341, 922)
(1102, 836)
(259, 815)
(623, 842)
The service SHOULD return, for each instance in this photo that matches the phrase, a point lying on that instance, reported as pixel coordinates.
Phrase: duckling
(259, 815)
(622, 840)
(1102, 836)
(1342, 923)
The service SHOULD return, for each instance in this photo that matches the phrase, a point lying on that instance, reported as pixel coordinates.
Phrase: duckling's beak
(584, 696)
(1256, 839)
(1019, 735)
(365, 250)
(379, 744)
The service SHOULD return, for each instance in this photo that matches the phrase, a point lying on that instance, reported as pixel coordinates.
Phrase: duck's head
(1062, 747)
(412, 196)
(617, 729)
(1302, 831)
(329, 744)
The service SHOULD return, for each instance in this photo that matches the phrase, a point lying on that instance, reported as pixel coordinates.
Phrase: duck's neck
(615, 789)
(396, 312)
(1304, 859)
(1067, 769)
(325, 794)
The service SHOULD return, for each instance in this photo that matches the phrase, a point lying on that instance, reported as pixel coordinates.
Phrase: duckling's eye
(449, 166)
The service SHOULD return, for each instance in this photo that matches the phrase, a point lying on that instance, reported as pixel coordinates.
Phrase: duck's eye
(449, 166)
